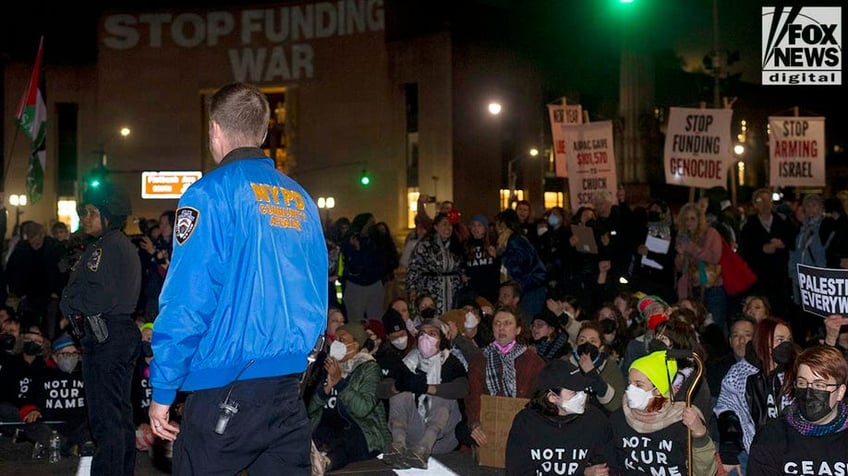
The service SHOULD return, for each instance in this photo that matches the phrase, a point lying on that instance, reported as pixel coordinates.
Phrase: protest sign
(697, 147)
(824, 291)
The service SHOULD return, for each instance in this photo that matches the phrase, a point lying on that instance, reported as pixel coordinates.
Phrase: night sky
(574, 43)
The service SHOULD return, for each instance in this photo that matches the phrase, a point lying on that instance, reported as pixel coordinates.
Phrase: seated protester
(556, 418)
(452, 324)
(741, 332)
(58, 395)
(395, 346)
(424, 409)
(475, 333)
(590, 356)
(811, 437)
(348, 420)
(549, 339)
(142, 391)
(17, 374)
(752, 392)
(505, 368)
(615, 329)
(567, 311)
(653, 311)
(677, 334)
(335, 319)
(10, 334)
(402, 307)
(650, 430)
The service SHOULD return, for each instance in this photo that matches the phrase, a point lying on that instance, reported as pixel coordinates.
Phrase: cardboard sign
(591, 161)
(697, 147)
(824, 291)
(796, 152)
(496, 415)
(559, 115)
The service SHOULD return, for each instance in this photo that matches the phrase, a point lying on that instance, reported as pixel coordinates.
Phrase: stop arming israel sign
(591, 161)
(697, 147)
(796, 152)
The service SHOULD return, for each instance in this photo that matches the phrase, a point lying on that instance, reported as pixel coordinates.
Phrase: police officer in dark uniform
(99, 299)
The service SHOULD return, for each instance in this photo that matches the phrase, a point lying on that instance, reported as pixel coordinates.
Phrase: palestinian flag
(32, 117)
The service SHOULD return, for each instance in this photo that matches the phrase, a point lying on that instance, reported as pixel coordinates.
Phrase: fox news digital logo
(801, 45)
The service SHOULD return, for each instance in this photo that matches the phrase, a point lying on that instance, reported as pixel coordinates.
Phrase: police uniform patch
(94, 260)
(185, 224)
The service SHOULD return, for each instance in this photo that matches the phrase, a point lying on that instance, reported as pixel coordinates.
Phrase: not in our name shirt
(661, 453)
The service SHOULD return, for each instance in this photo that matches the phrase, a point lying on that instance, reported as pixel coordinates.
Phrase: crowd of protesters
(590, 314)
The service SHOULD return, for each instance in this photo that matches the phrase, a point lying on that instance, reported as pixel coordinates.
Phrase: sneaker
(393, 456)
(416, 458)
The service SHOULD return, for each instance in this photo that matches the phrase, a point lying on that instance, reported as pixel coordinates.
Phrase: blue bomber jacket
(247, 280)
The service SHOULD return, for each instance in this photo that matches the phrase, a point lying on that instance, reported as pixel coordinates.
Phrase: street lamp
(17, 201)
(326, 203)
(495, 108)
(123, 132)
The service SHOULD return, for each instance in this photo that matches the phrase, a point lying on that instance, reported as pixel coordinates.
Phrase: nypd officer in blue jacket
(99, 299)
(242, 306)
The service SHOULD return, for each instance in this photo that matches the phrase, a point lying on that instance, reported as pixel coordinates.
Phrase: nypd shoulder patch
(185, 224)
(94, 260)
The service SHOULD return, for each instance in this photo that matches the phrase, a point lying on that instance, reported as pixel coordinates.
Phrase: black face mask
(32, 348)
(656, 345)
(782, 354)
(608, 326)
(428, 313)
(146, 349)
(813, 404)
(7, 342)
(588, 348)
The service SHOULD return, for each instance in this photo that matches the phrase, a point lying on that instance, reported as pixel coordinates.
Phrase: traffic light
(95, 177)
(364, 178)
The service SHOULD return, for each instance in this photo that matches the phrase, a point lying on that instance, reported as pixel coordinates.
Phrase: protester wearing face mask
(58, 395)
(549, 339)
(10, 332)
(558, 416)
(650, 430)
(142, 391)
(506, 368)
(347, 418)
(590, 356)
(753, 391)
(390, 355)
(676, 333)
(17, 372)
(813, 432)
(424, 410)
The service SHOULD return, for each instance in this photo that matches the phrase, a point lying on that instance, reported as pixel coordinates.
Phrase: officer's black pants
(108, 369)
(269, 435)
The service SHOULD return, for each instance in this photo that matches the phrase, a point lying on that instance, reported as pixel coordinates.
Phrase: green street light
(364, 178)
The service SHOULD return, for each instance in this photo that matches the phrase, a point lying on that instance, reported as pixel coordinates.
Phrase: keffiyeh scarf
(500, 369)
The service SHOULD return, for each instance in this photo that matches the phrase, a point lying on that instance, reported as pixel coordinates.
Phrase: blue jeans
(107, 369)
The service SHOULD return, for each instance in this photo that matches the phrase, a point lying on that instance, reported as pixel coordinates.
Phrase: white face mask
(68, 364)
(338, 350)
(638, 399)
(400, 342)
(471, 320)
(575, 404)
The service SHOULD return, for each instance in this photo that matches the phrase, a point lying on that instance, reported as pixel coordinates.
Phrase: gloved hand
(598, 385)
(417, 383)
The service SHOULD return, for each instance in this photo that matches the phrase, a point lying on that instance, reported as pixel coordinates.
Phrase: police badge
(94, 260)
(185, 224)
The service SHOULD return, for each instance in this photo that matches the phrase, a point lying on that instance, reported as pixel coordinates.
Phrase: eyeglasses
(802, 384)
(65, 355)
